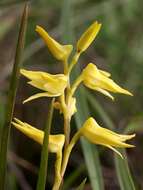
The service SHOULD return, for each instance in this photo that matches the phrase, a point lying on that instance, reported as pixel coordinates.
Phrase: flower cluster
(59, 86)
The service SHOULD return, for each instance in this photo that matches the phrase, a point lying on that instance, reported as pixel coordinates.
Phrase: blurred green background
(117, 49)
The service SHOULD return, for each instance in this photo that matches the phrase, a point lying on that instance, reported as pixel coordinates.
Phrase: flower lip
(102, 136)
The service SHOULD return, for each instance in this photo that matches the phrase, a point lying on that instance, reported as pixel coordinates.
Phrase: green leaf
(73, 176)
(89, 150)
(123, 172)
(41, 183)
(134, 125)
(98, 107)
(122, 167)
(81, 186)
(11, 97)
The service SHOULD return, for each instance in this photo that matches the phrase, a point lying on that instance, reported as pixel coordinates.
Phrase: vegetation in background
(117, 49)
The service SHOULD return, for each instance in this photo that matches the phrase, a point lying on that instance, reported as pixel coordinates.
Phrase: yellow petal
(115, 150)
(105, 73)
(88, 36)
(126, 137)
(106, 93)
(56, 142)
(60, 52)
(39, 95)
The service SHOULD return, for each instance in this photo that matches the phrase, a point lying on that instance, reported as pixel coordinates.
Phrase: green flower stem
(76, 84)
(68, 152)
(11, 97)
(44, 154)
(65, 63)
(67, 129)
(74, 61)
(58, 178)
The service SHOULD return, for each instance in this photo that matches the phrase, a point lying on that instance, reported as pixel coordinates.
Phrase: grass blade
(73, 177)
(44, 154)
(122, 167)
(123, 172)
(90, 152)
(92, 100)
(11, 97)
(81, 186)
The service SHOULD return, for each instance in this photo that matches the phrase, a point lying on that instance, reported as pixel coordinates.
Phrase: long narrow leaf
(90, 151)
(122, 167)
(96, 105)
(11, 97)
(123, 172)
(73, 177)
(81, 186)
(44, 154)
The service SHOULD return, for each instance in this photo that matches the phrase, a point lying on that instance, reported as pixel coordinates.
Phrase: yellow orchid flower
(53, 85)
(99, 80)
(60, 52)
(56, 142)
(102, 136)
(88, 36)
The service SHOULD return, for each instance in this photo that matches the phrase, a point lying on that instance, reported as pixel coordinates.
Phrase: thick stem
(67, 129)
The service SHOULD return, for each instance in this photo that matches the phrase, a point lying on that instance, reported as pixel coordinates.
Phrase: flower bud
(88, 36)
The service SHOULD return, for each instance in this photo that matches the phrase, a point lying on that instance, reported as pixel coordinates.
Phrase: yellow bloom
(99, 80)
(60, 52)
(53, 85)
(99, 135)
(56, 142)
(88, 36)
